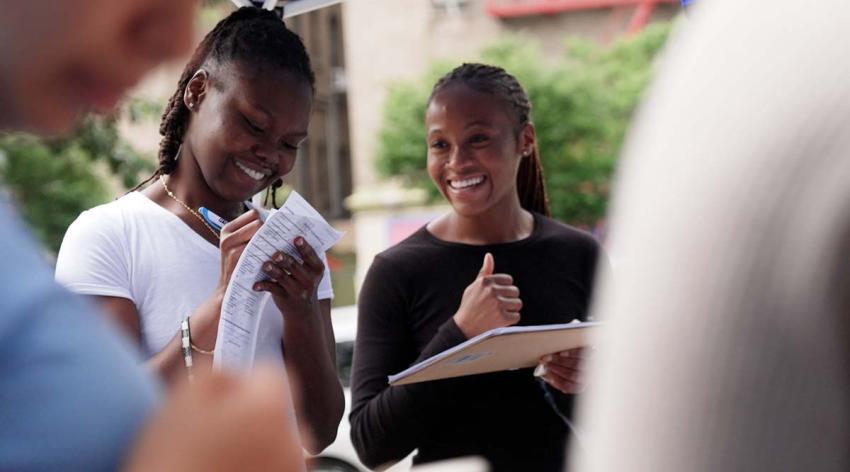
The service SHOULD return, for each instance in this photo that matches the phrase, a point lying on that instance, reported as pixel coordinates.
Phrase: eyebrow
(470, 125)
(300, 136)
(478, 123)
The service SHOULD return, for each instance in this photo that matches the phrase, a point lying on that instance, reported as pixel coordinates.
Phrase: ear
(527, 140)
(196, 89)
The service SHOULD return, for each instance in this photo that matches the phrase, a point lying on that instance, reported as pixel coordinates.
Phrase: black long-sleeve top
(406, 306)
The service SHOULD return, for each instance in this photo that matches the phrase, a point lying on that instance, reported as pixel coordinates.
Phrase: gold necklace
(168, 191)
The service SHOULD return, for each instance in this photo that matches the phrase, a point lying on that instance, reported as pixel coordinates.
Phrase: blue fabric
(73, 394)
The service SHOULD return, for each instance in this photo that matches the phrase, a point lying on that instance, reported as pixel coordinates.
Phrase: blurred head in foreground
(61, 59)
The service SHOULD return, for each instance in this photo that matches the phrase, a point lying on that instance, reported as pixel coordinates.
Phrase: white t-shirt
(133, 248)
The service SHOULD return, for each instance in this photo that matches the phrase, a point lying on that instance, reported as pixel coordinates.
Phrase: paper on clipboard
(510, 348)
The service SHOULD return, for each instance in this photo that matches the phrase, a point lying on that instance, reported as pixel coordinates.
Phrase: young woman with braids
(231, 130)
(495, 260)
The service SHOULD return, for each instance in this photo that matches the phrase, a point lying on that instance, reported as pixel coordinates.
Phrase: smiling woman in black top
(495, 260)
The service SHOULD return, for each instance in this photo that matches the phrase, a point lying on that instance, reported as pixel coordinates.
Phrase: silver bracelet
(186, 343)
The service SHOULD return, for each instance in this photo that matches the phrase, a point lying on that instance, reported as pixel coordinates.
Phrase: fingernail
(540, 370)
(257, 287)
(267, 267)
(278, 257)
(299, 241)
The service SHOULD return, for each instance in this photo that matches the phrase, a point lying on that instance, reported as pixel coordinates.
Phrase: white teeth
(254, 174)
(461, 184)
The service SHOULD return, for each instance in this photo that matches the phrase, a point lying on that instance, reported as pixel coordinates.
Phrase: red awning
(515, 8)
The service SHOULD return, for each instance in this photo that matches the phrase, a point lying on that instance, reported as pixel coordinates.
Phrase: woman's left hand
(564, 370)
(293, 285)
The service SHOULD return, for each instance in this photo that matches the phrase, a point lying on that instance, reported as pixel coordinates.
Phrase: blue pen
(218, 222)
(212, 219)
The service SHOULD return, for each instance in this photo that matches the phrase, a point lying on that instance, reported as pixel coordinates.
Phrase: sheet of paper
(236, 342)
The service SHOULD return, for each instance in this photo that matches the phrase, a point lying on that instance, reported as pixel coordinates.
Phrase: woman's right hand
(491, 301)
(234, 238)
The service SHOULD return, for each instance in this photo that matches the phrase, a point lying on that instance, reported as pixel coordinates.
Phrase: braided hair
(499, 83)
(252, 36)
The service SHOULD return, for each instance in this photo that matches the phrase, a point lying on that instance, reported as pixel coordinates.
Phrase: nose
(279, 162)
(265, 152)
(457, 157)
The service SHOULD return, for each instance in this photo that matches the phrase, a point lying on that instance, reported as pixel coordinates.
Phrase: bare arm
(311, 360)
(168, 363)
(309, 343)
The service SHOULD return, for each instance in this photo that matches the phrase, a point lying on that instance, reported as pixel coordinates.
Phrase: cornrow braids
(499, 83)
(252, 36)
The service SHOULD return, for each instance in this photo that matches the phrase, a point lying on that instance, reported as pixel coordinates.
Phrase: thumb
(487, 267)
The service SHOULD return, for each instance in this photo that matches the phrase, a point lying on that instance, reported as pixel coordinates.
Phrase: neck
(499, 224)
(187, 183)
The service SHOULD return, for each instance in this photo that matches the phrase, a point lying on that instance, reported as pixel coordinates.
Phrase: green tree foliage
(582, 105)
(53, 181)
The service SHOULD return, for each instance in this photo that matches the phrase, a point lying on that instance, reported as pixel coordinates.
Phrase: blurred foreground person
(727, 342)
(64, 58)
(72, 395)
(222, 424)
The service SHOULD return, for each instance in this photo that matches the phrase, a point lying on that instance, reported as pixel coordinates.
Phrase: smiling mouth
(254, 174)
(462, 184)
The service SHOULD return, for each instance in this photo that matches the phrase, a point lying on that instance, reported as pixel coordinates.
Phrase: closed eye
(253, 127)
(292, 143)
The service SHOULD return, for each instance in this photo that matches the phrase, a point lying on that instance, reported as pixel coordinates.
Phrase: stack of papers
(236, 343)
